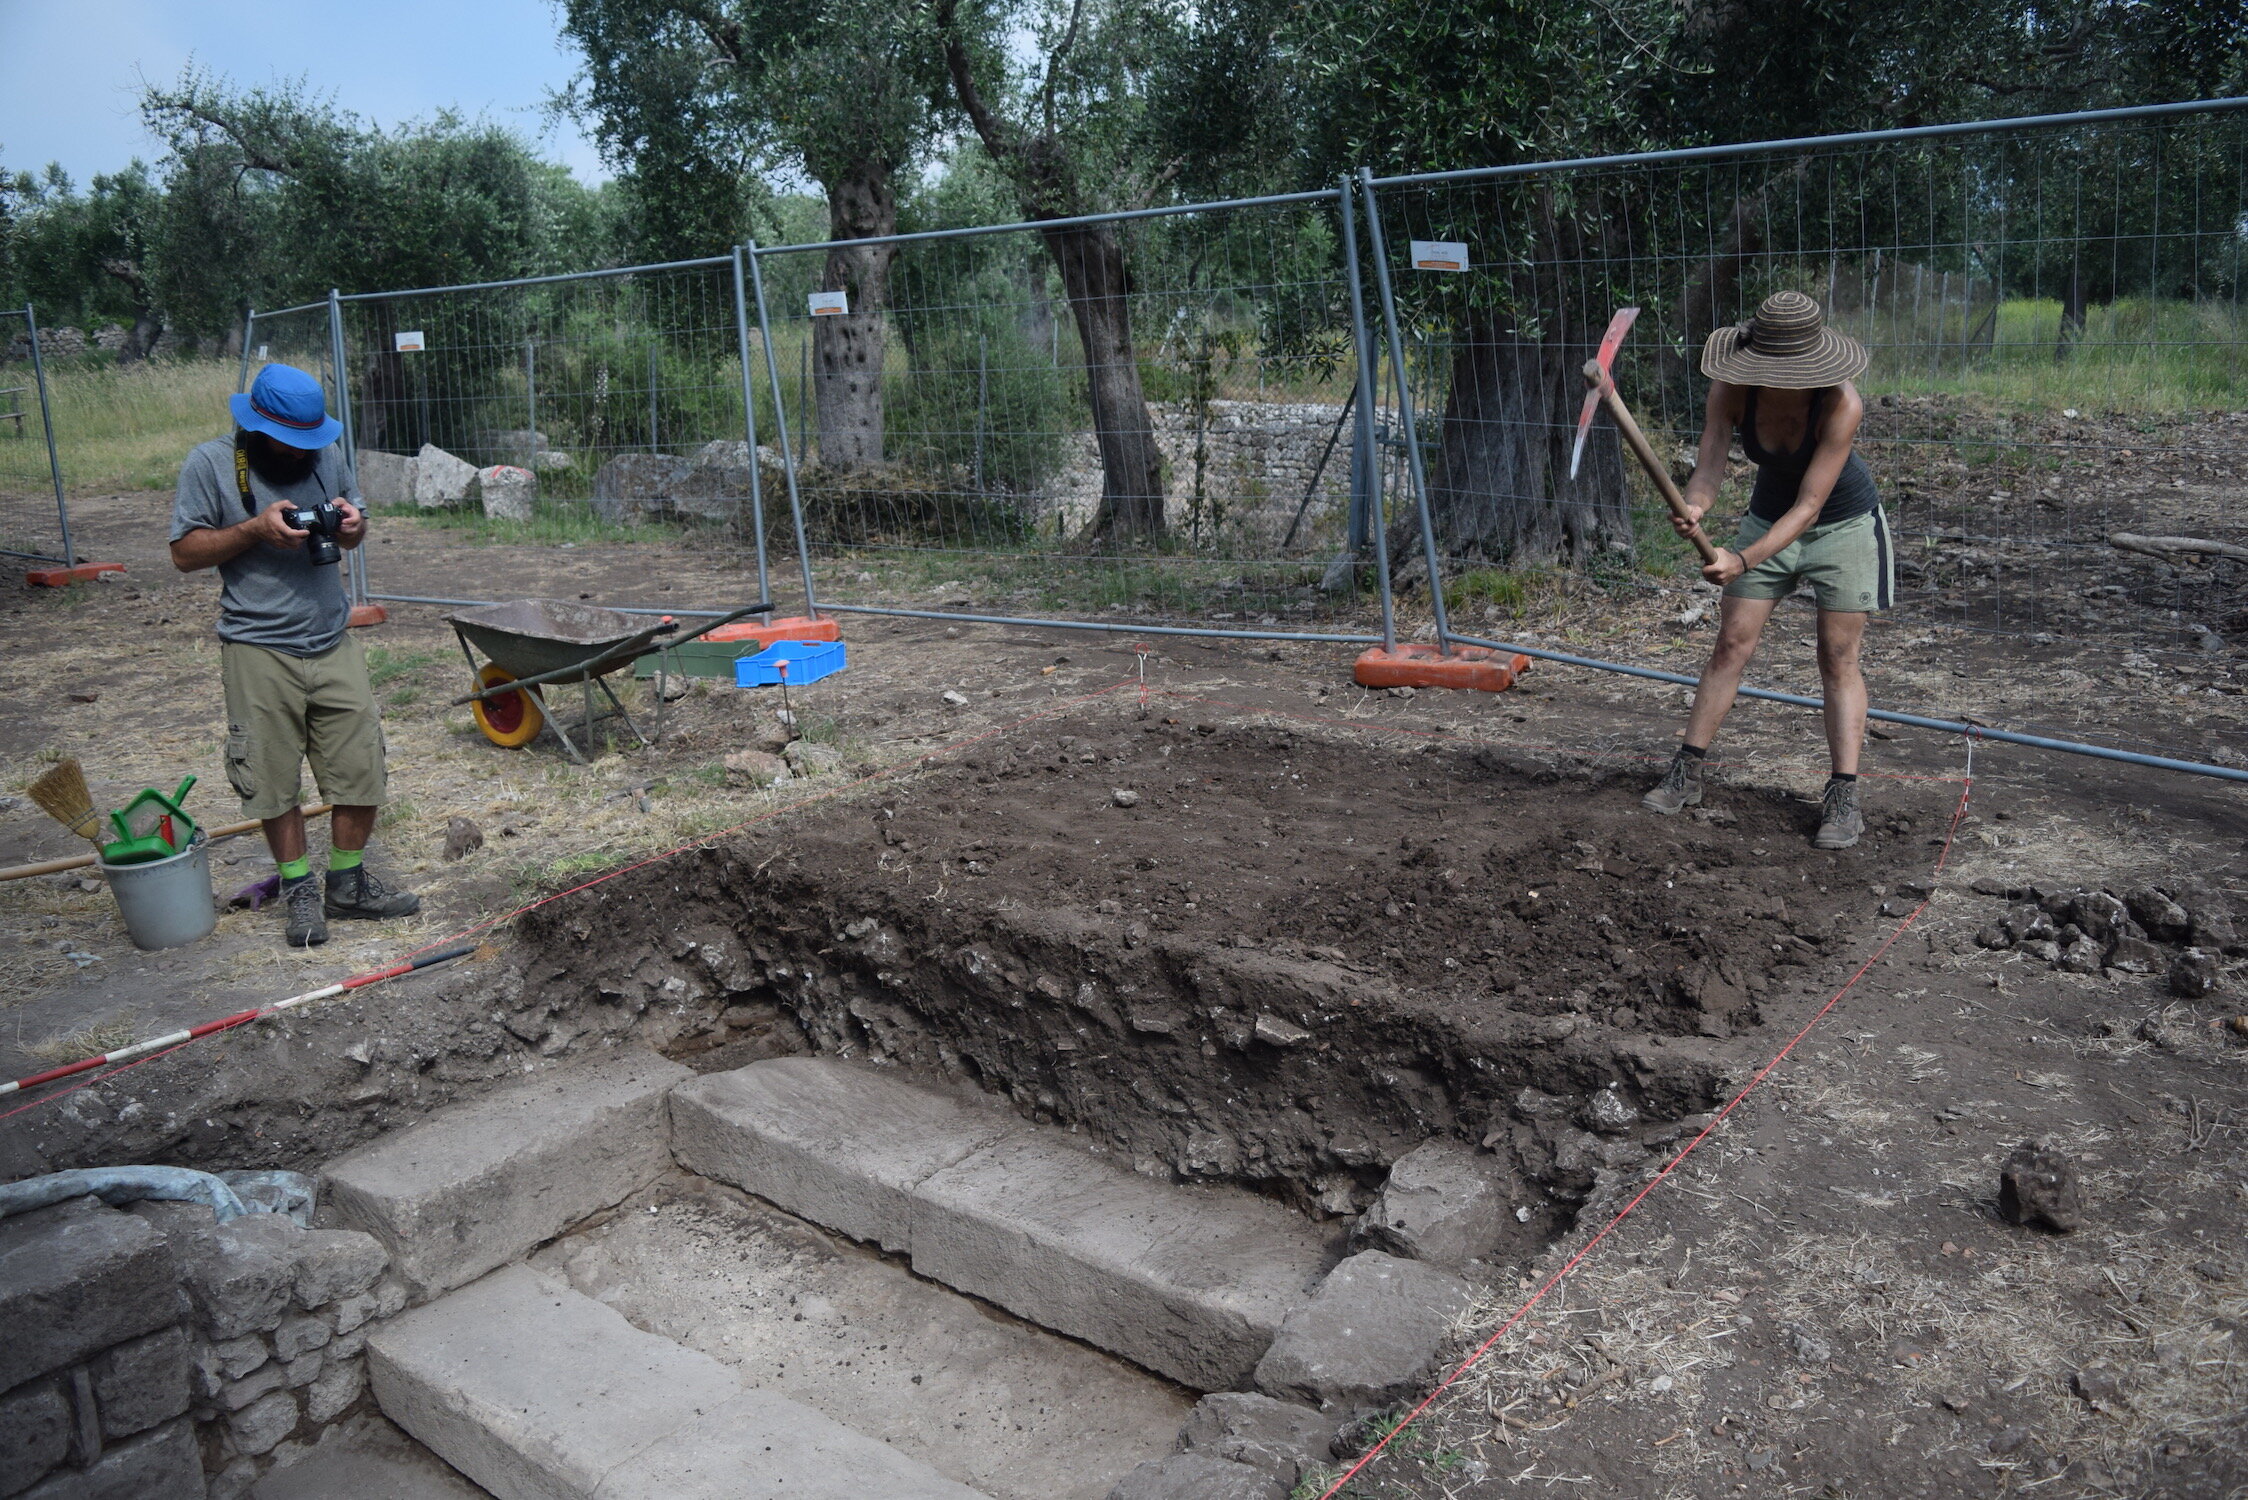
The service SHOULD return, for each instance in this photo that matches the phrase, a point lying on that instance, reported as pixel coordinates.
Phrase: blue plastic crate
(807, 661)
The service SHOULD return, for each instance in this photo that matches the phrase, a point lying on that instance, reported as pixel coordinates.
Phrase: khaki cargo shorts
(1849, 565)
(282, 710)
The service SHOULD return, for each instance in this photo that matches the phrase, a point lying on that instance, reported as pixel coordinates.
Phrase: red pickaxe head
(1610, 342)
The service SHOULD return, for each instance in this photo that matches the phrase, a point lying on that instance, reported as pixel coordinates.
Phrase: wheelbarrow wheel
(509, 720)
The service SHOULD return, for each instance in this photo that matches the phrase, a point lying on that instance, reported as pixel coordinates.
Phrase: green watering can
(150, 827)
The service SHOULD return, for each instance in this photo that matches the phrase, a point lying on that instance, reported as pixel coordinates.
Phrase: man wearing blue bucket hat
(273, 509)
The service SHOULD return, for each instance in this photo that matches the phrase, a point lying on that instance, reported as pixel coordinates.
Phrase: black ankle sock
(1693, 752)
(1842, 776)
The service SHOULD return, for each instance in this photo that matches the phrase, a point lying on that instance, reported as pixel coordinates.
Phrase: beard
(278, 463)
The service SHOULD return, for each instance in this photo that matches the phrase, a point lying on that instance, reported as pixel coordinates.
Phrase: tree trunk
(847, 349)
(1091, 262)
(386, 417)
(2072, 313)
(1499, 488)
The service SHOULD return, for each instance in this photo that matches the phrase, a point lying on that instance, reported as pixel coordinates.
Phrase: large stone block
(1368, 1339)
(385, 478)
(507, 493)
(35, 1429)
(144, 1382)
(1190, 1282)
(74, 1279)
(844, 1147)
(531, 1389)
(1445, 1203)
(260, 1426)
(631, 487)
(440, 479)
(479, 1183)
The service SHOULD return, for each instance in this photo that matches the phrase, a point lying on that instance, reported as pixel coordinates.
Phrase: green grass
(121, 427)
(386, 664)
(553, 523)
(2136, 355)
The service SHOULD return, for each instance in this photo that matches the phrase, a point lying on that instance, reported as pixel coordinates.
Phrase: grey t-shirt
(271, 596)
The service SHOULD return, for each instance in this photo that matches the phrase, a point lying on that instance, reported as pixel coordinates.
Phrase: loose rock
(462, 838)
(1196, 1476)
(755, 768)
(1444, 1203)
(2037, 1188)
(1277, 1438)
(507, 492)
(2193, 973)
(1368, 1336)
(1124, 797)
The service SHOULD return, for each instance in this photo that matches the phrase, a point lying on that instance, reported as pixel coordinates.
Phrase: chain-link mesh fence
(34, 517)
(1141, 416)
(573, 408)
(2054, 315)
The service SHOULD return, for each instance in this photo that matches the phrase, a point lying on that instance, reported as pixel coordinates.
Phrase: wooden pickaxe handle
(1644, 451)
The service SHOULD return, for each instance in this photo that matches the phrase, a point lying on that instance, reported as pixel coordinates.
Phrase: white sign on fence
(830, 304)
(261, 350)
(409, 342)
(1439, 255)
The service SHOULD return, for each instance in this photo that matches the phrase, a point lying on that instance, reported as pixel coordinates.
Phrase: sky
(70, 70)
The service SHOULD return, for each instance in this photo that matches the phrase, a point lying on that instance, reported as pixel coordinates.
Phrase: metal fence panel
(34, 515)
(1145, 417)
(622, 394)
(2055, 318)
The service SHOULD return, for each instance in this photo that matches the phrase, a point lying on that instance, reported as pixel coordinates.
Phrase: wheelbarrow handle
(763, 607)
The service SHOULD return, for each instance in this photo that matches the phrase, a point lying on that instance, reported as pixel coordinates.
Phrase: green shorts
(282, 710)
(1850, 565)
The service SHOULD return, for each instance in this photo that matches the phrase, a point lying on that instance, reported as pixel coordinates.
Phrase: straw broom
(62, 792)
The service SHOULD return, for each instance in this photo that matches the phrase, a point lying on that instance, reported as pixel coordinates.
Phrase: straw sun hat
(1787, 346)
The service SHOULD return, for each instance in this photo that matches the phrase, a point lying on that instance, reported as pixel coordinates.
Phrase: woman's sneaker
(301, 899)
(1841, 820)
(357, 893)
(1680, 787)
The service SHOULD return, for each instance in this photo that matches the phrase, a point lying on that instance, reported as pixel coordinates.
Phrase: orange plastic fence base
(367, 614)
(795, 628)
(56, 578)
(1419, 664)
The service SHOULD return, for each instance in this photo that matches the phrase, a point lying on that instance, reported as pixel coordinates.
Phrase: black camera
(325, 522)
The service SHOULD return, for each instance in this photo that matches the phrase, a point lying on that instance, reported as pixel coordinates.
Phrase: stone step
(539, 1393)
(479, 1184)
(1189, 1282)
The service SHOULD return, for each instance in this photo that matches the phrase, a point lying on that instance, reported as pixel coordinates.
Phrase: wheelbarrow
(531, 644)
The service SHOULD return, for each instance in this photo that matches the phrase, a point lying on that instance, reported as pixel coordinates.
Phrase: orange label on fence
(1439, 255)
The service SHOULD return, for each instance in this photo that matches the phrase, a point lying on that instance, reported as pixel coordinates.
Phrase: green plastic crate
(700, 659)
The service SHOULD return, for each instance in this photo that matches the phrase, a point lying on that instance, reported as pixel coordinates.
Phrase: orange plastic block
(1419, 664)
(56, 578)
(795, 628)
(368, 614)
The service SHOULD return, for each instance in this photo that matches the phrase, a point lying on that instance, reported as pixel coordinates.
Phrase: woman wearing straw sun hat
(1784, 383)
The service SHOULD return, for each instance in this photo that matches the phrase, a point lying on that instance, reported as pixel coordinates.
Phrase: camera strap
(242, 473)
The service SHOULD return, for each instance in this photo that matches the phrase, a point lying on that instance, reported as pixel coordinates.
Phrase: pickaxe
(1601, 387)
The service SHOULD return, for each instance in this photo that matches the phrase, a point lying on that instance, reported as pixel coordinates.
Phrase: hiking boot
(1840, 820)
(356, 893)
(1680, 787)
(305, 928)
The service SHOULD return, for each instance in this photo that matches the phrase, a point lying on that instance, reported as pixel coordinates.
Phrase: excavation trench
(1247, 954)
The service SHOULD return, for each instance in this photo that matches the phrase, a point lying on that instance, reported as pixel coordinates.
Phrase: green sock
(295, 869)
(340, 860)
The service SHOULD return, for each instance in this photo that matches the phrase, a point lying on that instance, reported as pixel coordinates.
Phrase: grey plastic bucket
(166, 903)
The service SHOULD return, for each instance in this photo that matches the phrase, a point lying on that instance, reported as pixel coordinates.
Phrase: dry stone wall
(1258, 457)
(154, 1353)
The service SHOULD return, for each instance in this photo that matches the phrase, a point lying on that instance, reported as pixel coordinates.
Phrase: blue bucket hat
(286, 405)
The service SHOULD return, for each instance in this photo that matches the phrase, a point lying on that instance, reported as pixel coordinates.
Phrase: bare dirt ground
(1824, 1301)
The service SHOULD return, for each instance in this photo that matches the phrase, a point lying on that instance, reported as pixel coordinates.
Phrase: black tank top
(1779, 476)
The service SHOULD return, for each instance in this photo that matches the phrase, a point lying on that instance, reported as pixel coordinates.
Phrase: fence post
(531, 392)
(249, 330)
(47, 425)
(780, 423)
(1405, 408)
(983, 392)
(1364, 437)
(749, 421)
(355, 565)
